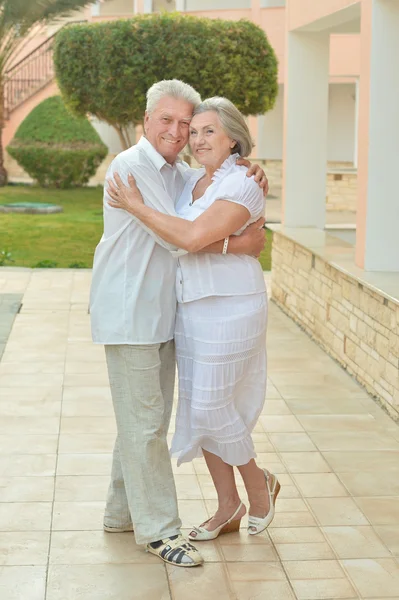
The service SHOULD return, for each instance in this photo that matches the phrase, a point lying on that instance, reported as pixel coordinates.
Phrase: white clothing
(220, 333)
(202, 274)
(221, 357)
(133, 298)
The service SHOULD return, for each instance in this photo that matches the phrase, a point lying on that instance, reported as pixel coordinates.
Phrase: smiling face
(209, 143)
(167, 127)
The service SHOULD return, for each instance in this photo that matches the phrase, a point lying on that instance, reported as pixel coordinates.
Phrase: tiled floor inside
(336, 532)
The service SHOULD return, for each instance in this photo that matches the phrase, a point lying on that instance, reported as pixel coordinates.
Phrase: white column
(147, 6)
(181, 5)
(382, 210)
(95, 8)
(355, 147)
(305, 129)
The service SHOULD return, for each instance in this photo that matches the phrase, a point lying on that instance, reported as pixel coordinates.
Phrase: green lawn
(65, 238)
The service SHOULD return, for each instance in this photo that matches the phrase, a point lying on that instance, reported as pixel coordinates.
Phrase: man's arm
(250, 242)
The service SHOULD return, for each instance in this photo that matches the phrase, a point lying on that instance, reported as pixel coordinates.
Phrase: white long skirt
(221, 358)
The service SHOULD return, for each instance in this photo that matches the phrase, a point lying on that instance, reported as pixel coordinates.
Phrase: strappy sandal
(202, 534)
(177, 551)
(257, 524)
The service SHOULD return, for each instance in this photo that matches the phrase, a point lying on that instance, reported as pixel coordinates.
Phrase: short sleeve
(239, 188)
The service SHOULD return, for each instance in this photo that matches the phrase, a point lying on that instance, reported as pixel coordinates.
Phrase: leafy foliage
(106, 68)
(57, 148)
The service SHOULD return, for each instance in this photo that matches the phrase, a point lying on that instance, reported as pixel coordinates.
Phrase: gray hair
(174, 88)
(232, 121)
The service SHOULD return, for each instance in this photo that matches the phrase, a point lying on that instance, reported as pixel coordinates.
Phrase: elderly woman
(221, 317)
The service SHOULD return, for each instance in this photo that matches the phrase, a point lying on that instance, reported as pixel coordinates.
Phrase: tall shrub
(18, 20)
(105, 69)
(57, 148)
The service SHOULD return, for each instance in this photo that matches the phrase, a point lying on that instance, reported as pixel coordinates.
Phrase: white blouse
(201, 275)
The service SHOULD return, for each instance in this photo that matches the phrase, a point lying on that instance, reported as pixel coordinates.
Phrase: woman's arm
(221, 220)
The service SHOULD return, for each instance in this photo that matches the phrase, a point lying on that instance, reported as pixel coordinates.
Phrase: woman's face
(209, 143)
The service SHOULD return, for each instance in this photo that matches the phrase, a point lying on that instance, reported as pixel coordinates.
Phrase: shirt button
(181, 280)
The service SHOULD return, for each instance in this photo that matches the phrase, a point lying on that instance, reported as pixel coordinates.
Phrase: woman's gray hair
(232, 121)
(174, 88)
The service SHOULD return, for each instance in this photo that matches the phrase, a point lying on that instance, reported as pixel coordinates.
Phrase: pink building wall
(344, 58)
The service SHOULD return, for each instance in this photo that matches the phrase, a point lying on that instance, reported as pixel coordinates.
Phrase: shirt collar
(156, 158)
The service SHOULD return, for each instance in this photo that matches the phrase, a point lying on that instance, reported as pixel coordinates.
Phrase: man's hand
(257, 171)
(252, 240)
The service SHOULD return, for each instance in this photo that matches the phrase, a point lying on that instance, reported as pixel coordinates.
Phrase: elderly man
(133, 306)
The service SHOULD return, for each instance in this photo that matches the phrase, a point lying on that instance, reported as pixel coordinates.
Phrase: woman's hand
(122, 196)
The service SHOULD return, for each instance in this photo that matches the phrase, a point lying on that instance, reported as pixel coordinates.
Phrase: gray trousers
(142, 489)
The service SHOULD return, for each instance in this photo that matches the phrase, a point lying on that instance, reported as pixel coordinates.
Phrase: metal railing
(29, 75)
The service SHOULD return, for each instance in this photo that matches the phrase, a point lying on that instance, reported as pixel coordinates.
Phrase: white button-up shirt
(202, 274)
(133, 297)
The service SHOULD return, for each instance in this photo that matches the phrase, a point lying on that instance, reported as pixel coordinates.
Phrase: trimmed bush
(106, 68)
(57, 148)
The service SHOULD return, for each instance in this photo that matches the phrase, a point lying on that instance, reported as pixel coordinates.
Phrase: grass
(61, 239)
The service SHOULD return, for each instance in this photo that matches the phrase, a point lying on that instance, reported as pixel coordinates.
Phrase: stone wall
(341, 181)
(355, 325)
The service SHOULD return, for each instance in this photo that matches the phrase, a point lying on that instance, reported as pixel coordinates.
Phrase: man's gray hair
(232, 121)
(173, 88)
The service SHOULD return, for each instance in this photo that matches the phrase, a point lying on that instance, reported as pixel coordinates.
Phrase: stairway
(28, 76)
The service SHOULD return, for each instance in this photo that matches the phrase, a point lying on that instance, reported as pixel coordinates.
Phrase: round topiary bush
(57, 148)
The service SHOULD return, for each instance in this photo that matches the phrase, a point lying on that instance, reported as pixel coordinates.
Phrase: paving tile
(24, 548)
(78, 516)
(208, 581)
(389, 534)
(256, 571)
(317, 485)
(86, 443)
(28, 444)
(354, 462)
(296, 535)
(24, 465)
(353, 440)
(96, 547)
(277, 423)
(90, 424)
(81, 488)
(339, 423)
(337, 511)
(272, 590)
(292, 442)
(84, 464)
(314, 569)
(26, 489)
(25, 516)
(374, 577)
(23, 582)
(371, 483)
(355, 542)
(305, 551)
(249, 553)
(323, 589)
(29, 425)
(380, 511)
(305, 462)
(119, 581)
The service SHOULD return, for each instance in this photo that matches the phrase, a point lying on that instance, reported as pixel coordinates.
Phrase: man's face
(167, 127)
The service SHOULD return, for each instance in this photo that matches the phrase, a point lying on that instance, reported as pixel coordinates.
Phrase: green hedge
(57, 148)
(106, 68)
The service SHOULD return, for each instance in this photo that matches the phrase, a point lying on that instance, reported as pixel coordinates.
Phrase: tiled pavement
(336, 532)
